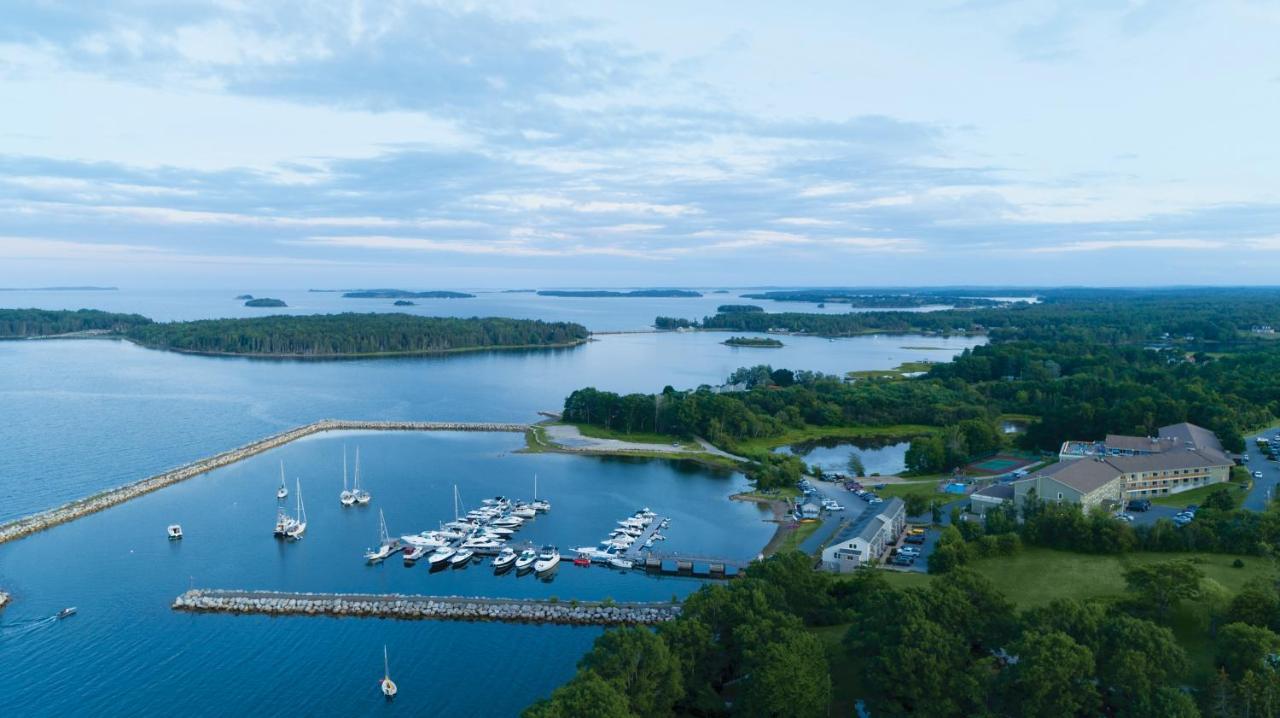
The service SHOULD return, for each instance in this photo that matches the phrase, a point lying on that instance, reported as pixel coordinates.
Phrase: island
(861, 298)
(648, 293)
(404, 294)
(31, 323)
(336, 336)
(265, 302)
(244, 297)
(734, 308)
(404, 303)
(753, 342)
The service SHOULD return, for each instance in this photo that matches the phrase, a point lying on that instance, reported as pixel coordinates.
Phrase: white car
(1257, 474)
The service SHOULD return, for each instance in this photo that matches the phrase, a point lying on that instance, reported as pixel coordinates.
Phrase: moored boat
(461, 558)
(526, 559)
(283, 492)
(548, 558)
(388, 686)
(505, 559)
(299, 526)
(444, 553)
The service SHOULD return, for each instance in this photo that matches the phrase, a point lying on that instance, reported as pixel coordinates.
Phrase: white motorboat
(524, 512)
(498, 531)
(509, 522)
(414, 553)
(505, 558)
(283, 492)
(299, 527)
(387, 685)
(347, 497)
(619, 562)
(175, 532)
(284, 522)
(548, 558)
(362, 497)
(444, 553)
(462, 557)
(427, 539)
(526, 558)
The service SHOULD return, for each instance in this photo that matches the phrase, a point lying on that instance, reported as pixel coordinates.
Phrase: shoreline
(345, 357)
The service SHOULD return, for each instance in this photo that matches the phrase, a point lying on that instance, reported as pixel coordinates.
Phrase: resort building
(1092, 484)
(987, 498)
(866, 539)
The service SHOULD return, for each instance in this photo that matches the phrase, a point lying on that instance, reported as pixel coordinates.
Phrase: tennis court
(998, 464)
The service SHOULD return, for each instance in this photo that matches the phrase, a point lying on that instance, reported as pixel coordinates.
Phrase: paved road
(1264, 488)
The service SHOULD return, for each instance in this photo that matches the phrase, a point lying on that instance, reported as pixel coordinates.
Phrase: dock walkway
(400, 606)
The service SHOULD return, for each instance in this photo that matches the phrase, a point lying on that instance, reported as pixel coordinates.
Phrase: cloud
(1147, 244)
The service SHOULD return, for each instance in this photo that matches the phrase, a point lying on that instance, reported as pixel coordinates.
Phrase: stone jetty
(4, 599)
(447, 608)
(70, 511)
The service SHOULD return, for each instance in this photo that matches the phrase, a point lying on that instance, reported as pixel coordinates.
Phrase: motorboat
(175, 532)
(509, 522)
(548, 558)
(427, 540)
(462, 557)
(67, 612)
(540, 505)
(481, 544)
(526, 559)
(619, 562)
(282, 493)
(444, 553)
(362, 497)
(524, 512)
(581, 560)
(347, 497)
(414, 553)
(505, 559)
(299, 526)
(387, 685)
(284, 522)
(498, 531)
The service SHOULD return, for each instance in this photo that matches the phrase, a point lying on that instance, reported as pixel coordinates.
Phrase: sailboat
(386, 546)
(387, 685)
(347, 497)
(283, 492)
(362, 497)
(541, 506)
(300, 521)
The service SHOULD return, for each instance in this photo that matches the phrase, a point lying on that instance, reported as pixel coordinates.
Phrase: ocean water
(80, 416)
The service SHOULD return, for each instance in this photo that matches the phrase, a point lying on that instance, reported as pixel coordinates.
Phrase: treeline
(856, 298)
(731, 308)
(339, 335)
(18, 323)
(955, 648)
(606, 293)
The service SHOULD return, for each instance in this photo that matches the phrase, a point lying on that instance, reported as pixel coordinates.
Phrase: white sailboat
(542, 505)
(300, 521)
(386, 546)
(387, 685)
(283, 492)
(362, 496)
(347, 497)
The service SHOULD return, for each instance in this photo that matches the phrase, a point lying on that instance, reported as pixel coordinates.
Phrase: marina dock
(20, 527)
(414, 607)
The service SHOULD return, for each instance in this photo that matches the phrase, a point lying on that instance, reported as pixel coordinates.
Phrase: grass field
(928, 488)
(640, 437)
(1197, 496)
(792, 540)
(812, 433)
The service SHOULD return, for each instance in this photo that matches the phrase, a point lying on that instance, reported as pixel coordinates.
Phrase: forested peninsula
(855, 298)
(650, 293)
(404, 294)
(322, 336)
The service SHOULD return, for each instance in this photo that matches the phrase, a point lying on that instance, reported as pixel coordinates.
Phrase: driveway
(831, 521)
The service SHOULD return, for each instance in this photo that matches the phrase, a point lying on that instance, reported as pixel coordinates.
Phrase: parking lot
(852, 507)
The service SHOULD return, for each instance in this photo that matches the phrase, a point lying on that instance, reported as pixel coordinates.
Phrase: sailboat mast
(302, 515)
(344, 468)
(535, 487)
(356, 487)
(386, 664)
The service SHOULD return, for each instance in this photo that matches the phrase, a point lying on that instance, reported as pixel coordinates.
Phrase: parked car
(1257, 474)
(1139, 505)
(916, 531)
(909, 551)
(901, 560)
(875, 500)
(1125, 517)
(914, 538)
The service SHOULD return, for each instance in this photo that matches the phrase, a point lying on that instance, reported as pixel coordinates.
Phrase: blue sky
(503, 144)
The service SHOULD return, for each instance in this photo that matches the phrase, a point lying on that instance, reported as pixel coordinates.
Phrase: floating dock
(411, 607)
(18, 528)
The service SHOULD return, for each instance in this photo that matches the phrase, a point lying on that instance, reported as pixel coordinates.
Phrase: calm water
(79, 416)
(833, 456)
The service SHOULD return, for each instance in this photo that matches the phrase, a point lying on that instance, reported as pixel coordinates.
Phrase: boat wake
(18, 629)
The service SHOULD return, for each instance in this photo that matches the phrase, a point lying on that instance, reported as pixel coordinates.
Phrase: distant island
(243, 297)
(404, 303)
(754, 342)
(721, 291)
(735, 308)
(404, 294)
(28, 323)
(608, 293)
(265, 302)
(336, 336)
(857, 298)
(518, 291)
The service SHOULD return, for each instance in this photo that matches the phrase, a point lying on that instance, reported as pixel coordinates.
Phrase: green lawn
(812, 433)
(928, 488)
(895, 373)
(1197, 496)
(792, 541)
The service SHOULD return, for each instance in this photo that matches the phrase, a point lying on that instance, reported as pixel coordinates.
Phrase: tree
(787, 677)
(1220, 498)
(1241, 647)
(1052, 676)
(638, 663)
(1257, 604)
(855, 465)
(586, 695)
(916, 504)
(926, 455)
(1158, 587)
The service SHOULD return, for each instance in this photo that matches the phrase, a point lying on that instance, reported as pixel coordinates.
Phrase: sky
(559, 144)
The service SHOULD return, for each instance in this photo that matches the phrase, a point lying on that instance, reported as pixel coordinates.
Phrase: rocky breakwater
(70, 511)
(4, 599)
(449, 608)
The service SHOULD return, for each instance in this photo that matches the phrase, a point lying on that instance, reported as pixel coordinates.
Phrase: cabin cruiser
(67, 612)
(548, 558)
(505, 558)
(526, 559)
(175, 532)
(498, 531)
(443, 553)
(524, 512)
(619, 562)
(427, 539)
(462, 557)
(482, 544)
(413, 554)
(509, 522)
(284, 523)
